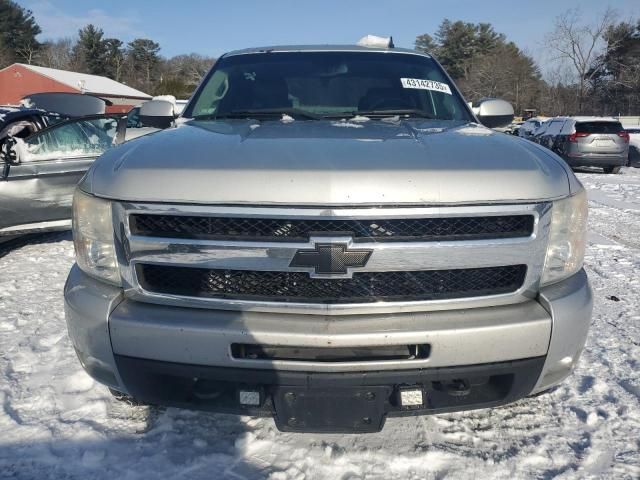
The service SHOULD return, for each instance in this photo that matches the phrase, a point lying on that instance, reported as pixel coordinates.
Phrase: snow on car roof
(88, 83)
(7, 110)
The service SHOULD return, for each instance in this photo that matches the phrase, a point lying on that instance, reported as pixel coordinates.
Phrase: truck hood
(328, 163)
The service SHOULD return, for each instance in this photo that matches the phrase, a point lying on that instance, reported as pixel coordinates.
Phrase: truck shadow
(137, 442)
(7, 245)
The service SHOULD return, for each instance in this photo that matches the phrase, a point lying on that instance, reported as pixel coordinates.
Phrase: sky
(214, 27)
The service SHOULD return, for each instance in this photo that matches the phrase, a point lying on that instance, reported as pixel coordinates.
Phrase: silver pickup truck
(329, 236)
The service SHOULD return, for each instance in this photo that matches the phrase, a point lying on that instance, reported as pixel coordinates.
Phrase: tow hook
(458, 387)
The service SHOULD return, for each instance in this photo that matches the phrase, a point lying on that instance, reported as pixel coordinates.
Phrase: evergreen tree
(425, 43)
(114, 58)
(457, 43)
(143, 61)
(483, 63)
(91, 50)
(617, 77)
(18, 31)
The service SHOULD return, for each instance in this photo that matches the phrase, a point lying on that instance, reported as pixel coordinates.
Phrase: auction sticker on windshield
(425, 85)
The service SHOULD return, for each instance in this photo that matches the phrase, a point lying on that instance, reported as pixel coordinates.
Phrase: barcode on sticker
(422, 84)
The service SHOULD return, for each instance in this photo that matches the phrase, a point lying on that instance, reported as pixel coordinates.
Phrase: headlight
(567, 238)
(93, 237)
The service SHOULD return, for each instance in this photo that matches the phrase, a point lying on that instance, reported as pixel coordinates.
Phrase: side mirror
(157, 113)
(493, 112)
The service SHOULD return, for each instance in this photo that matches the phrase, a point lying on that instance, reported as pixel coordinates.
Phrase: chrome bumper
(102, 322)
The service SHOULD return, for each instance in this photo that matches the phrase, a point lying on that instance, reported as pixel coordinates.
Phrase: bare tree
(58, 54)
(558, 93)
(191, 68)
(504, 72)
(28, 51)
(579, 45)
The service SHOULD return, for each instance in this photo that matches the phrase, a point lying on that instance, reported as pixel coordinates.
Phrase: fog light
(411, 397)
(249, 397)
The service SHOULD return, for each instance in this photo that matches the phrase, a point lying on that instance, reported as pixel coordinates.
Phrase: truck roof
(324, 48)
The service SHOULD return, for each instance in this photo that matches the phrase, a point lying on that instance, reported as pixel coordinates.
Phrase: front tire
(613, 170)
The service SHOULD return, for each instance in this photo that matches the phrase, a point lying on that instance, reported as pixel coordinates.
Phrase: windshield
(316, 85)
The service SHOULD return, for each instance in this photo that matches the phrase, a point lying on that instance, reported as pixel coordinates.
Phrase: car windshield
(314, 85)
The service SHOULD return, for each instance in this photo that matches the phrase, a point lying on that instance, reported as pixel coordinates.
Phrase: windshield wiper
(405, 112)
(257, 113)
(408, 112)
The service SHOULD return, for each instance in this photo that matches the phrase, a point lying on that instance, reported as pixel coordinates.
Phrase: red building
(19, 80)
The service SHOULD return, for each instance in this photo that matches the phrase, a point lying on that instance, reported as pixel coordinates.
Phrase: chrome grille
(238, 258)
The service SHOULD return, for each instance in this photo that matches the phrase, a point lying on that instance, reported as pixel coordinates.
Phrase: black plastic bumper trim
(216, 389)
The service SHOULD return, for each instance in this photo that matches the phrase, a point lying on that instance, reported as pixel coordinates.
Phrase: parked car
(42, 110)
(21, 122)
(538, 133)
(514, 128)
(634, 144)
(329, 237)
(549, 131)
(529, 127)
(39, 173)
(594, 142)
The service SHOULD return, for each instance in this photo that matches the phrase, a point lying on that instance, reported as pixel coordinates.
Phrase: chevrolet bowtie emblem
(330, 258)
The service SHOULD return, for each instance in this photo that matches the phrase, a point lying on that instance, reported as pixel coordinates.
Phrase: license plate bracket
(331, 410)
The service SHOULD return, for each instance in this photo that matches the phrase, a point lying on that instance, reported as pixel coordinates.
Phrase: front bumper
(356, 401)
(506, 351)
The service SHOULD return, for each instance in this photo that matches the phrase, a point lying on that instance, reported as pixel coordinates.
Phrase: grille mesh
(364, 287)
(273, 229)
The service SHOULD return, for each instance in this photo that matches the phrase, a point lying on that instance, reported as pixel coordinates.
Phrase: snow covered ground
(55, 422)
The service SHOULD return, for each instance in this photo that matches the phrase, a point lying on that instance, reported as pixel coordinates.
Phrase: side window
(554, 128)
(567, 128)
(215, 90)
(75, 139)
(551, 128)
